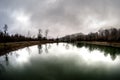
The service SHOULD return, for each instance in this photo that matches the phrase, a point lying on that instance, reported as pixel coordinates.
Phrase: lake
(61, 61)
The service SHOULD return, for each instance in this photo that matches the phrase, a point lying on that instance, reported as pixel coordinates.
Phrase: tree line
(6, 37)
(109, 35)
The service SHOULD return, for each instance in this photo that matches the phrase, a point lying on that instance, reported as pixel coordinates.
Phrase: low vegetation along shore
(111, 44)
(11, 46)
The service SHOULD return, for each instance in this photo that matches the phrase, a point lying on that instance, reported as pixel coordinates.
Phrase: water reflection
(46, 48)
(113, 51)
(49, 46)
(39, 48)
(28, 49)
(63, 61)
(67, 46)
(7, 59)
(57, 43)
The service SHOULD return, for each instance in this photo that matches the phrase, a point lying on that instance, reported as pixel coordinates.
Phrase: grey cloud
(63, 16)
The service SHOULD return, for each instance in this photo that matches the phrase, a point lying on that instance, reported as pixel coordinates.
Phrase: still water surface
(61, 61)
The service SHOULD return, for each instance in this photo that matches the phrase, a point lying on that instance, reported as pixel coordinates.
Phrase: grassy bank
(17, 45)
(112, 44)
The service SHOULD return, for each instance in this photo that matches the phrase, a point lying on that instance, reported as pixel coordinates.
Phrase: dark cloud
(61, 17)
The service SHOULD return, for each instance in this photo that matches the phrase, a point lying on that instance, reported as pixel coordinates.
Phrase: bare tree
(5, 28)
(46, 33)
(39, 34)
(28, 35)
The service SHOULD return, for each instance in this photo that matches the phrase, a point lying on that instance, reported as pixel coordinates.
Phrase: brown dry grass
(112, 44)
(17, 45)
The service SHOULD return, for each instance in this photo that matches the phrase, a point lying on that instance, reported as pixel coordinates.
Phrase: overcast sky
(61, 17)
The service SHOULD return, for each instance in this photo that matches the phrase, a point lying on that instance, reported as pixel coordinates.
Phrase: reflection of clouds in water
(88, 57)
(94, 56)
(64, 65)
(112, 51)
(61, 62)
(21, 57)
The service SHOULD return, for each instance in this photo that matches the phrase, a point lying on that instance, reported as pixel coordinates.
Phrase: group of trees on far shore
(6, 37)
(109, 35)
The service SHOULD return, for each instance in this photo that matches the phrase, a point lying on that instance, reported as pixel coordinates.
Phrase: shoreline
(12, 46)
(109, 44)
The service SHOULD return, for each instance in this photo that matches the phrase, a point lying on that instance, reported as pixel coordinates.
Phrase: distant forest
(109, 35)
(6, 37)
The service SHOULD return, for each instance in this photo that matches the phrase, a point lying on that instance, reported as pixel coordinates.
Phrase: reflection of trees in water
(7, 59)
(67, 46)
(28, 49)
(46, 48)
(79, 45)
(2, 69)
(63, 44)
(73, 44)
(49, 46)
(15, 54)
(4, 63)
(40, 49)
(113, 51)
(57, 43)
